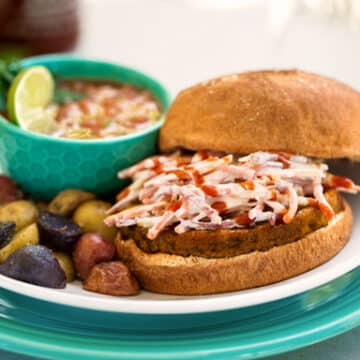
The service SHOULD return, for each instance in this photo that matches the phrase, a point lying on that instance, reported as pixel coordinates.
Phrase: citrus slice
(29, 96)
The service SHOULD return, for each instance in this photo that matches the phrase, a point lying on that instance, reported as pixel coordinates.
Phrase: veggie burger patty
(232, 242)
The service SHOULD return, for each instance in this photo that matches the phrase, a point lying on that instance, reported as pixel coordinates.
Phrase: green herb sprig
(63, 95)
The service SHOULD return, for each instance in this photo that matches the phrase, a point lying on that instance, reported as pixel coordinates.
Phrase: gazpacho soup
(102, 109)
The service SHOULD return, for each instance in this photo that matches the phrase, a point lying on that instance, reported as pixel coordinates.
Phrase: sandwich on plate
(241, 195)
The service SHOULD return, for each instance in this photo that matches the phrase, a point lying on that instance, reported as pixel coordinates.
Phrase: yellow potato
(66, 264)
(90, 217)
(68, 200)
(26, 236)
(22, 212)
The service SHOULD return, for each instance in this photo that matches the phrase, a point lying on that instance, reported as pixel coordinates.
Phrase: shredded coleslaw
(207, 191)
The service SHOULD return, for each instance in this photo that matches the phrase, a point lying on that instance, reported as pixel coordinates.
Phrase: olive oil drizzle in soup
(103, 110)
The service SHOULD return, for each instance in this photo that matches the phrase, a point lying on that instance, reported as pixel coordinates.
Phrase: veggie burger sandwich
(240, 196)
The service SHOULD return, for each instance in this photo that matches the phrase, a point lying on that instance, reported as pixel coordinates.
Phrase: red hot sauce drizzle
(210, 190)
(123, 194)
(248, 185)
(198, 178)
(220, 206)
(175, 205)
(157, 167)
(243, 219)
(341, 181)
(203, 154)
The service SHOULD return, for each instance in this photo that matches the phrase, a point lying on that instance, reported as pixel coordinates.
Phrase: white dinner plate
(149, 303)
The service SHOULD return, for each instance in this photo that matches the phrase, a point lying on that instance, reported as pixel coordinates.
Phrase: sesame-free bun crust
(173, 274)
(291, 111)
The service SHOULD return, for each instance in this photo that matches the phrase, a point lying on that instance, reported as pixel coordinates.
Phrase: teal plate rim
(274, 328)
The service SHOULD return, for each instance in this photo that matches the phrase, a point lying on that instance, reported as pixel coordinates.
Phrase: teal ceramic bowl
(44, 165)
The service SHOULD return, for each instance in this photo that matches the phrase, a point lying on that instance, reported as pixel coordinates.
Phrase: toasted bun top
(290, 111)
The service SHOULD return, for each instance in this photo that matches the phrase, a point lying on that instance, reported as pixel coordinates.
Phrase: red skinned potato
(9, 191)
(111, 278)
(90, 250)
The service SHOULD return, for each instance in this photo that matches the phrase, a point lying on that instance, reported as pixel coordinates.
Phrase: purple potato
(58, 232)
(35, 264)
(7, 231)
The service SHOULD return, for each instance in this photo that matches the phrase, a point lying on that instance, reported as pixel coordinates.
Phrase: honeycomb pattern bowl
(44, 165)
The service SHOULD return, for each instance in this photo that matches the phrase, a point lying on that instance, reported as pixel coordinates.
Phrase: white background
(185, 41)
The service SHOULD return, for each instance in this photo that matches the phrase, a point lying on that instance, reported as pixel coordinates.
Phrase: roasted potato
(41, 205)
(7, 231)
(90, 217)
(111, 278)
(26, 236)
(57, 231)
(35, 264)
(90, 250)
(22, 213)
(9, 191)
(66, 264)
(67, 201)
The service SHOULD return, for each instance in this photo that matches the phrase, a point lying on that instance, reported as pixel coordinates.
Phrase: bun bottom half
(192, 275)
